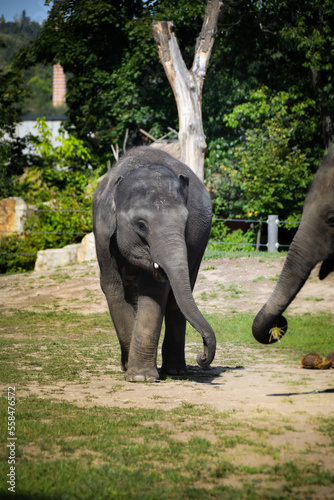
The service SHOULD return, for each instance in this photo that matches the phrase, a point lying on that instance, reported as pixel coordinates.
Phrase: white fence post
(273, 233)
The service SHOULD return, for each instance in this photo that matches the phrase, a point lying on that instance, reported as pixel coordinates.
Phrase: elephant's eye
(330, 219)
(141, 225)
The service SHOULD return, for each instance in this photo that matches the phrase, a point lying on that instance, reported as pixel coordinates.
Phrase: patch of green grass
(316, 299)
(326, 426)
(68, 452)
(52, 345)
(214, 252)
(306, 333)
(274, 278)
(235, 291)
(310, 474)
(310, 333)
(60, 277)
(209, 268)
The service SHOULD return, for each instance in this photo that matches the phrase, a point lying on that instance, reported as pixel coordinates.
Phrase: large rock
(56, 257)
(71, 254)
(86, 250)
(12, 214)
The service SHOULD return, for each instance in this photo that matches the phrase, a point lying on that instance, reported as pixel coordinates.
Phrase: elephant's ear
(326, 267)
(184, 182)
(110, 213)
(113, 192)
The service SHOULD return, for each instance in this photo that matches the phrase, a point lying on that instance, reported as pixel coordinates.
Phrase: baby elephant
(152, 220)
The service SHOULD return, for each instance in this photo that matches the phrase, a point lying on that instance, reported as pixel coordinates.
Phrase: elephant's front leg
(173, 356)
(152, 296)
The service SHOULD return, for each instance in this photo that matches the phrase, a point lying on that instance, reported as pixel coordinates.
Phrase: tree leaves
(266, 171)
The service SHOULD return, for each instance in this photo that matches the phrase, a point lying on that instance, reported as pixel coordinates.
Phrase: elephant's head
(150, 206)
(313, 243)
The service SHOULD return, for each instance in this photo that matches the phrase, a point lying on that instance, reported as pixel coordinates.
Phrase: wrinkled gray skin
(152, 220)
(313, 243)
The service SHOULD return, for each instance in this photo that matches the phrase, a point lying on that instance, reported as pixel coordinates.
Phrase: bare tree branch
(264, 30)
(205, 41)
(187, 84)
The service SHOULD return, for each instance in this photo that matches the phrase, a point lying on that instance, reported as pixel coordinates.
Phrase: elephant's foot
(173, 368)
(142, 375)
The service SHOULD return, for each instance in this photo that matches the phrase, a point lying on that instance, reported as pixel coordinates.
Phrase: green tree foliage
(265, 171)
(17, 35)
(61, 172)
(20, 92)
(311, 31)
(12, 159)
(286, 46)
(117, 80)
(59, 185)
(267, 99)
(38, 82)
(268, 105)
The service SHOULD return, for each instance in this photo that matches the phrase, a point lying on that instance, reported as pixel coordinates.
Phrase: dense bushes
(59, 187)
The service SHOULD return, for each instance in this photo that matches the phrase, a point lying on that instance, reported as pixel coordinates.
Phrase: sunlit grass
(215, 251)
(48, 346)
(68, 452)
(151, 454)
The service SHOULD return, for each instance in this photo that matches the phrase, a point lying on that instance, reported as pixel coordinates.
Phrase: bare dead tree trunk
(187, 84)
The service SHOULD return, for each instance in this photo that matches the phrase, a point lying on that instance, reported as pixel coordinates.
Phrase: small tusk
(155, 265)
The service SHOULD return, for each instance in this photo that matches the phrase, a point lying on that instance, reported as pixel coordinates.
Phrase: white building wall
(28, 126)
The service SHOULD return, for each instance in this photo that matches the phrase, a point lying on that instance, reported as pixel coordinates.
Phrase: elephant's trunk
(172, 258)
(269, 325)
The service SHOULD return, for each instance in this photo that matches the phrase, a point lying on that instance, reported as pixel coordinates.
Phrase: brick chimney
(59, 86)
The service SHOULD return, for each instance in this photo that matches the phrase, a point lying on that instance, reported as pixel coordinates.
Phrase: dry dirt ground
(279, 390)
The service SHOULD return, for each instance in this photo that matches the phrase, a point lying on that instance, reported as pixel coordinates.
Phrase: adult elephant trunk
(269, 325)
(172, 258)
